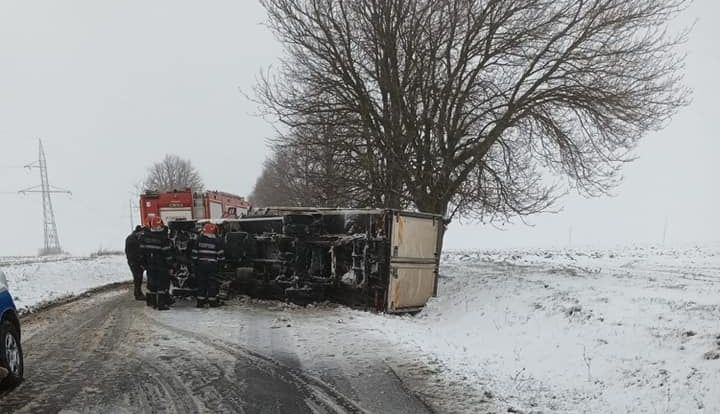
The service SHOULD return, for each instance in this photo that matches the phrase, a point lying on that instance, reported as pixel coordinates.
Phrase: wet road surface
(111, 354)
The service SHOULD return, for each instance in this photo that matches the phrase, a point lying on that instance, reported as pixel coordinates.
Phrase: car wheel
(11, 356)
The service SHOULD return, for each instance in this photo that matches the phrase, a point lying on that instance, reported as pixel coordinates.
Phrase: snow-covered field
(569, 331)
(597, 331)
(35, 281)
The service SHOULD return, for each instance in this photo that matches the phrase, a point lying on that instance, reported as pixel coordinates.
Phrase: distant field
(37, 280)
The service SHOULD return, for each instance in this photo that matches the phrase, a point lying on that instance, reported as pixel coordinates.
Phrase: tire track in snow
(108, 354)
(322, 395)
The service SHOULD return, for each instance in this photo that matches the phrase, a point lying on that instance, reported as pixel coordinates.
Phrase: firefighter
(135, 260)
(208, 253)
(157, 255)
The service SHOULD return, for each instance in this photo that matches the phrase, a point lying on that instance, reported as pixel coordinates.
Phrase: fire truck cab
(189, 205)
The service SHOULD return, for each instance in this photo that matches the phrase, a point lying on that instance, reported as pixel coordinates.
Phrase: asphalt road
(110, 354)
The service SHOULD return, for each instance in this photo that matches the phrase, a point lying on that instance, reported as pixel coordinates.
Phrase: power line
(52, 241)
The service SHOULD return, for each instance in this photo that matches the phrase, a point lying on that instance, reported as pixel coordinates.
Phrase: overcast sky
(111, 87)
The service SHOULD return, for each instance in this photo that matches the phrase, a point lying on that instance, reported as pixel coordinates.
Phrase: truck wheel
(11, 356)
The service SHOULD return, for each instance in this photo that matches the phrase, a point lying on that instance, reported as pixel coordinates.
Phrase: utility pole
(132, 219)
(52, 241)
(132, 215)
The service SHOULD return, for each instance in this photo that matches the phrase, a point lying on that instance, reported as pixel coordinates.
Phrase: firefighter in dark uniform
(157, 254)
(208, 253)
(135, 260)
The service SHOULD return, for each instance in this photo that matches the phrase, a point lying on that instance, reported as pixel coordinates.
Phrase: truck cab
(188, 205)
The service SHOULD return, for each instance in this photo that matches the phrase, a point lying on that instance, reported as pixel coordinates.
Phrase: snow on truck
(380, 259)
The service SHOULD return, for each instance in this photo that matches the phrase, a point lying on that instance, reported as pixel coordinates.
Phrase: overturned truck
(380, 259)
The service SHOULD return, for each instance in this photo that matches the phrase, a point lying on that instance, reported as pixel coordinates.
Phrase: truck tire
(11, 356)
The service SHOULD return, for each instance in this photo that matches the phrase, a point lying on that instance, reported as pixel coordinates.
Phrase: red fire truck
(189, 205)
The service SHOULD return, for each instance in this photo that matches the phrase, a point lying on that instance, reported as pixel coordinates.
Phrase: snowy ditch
(35, 282)
(617, 330)
(569, 331)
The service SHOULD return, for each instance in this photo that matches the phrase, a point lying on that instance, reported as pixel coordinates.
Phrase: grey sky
(111, 87)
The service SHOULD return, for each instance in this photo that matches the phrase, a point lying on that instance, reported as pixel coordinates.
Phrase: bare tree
(173, 173)
(270, 188)
(309, 170)
(484, 109)
(282, 182)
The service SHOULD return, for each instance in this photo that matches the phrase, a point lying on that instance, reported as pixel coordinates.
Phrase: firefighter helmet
(210, 228)
(155, 222)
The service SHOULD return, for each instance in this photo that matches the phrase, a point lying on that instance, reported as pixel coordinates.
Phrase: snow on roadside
(567, 331)
(18, 260)
(36, 281)
(624, 330)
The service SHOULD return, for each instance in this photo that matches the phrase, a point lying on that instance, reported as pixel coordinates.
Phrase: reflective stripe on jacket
(208, 250)
(156, 248)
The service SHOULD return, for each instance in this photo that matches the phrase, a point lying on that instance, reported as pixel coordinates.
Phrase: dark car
(11, 356)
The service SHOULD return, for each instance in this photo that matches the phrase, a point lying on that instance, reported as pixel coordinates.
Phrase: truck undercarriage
(379, 259)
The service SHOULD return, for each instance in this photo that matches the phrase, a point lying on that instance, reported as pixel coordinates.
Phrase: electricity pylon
(52, 241)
